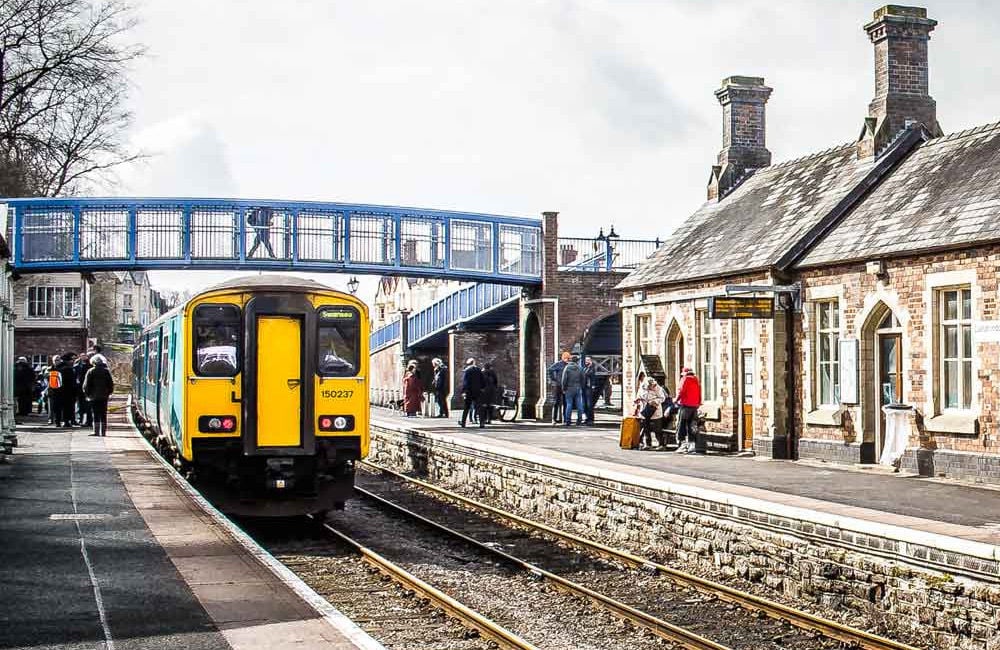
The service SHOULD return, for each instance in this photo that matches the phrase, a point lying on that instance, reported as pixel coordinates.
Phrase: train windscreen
(339, 341)
(216, 340)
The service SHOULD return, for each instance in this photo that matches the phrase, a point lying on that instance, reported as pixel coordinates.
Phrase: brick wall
(498, 348)
(673, 310)
(910, 291)
(29, 342)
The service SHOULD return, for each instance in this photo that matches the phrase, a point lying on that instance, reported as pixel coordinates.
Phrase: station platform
(938, 523)
(101, 547)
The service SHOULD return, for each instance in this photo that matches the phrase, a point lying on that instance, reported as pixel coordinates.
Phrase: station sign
(740, 307)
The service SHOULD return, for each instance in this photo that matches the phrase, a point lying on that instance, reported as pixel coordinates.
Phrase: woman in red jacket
(689, 399)
(413, 390)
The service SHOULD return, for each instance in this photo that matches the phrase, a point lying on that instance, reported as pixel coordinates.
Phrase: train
(257, 390)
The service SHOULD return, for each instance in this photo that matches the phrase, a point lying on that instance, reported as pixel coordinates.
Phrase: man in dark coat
(589, 388)
(572, 387)
(68, 391)
(472, 388)
(555, 375)
(439, 384)
(24, 385)
(491, 389)
(80, 369)
(98, 385)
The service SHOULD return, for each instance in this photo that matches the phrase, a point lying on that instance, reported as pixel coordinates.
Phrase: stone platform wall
(947, 599)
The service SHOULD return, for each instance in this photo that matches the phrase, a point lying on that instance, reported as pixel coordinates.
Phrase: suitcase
(631, 427)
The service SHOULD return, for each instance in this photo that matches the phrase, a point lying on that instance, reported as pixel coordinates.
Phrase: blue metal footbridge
(92, 234)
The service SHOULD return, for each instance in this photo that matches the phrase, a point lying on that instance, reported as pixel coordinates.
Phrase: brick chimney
(900, 36)
(743, 148)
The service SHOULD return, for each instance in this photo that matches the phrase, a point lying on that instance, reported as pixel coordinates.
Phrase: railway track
(772, 624)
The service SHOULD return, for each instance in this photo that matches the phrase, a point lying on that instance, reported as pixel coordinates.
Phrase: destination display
(740, 307)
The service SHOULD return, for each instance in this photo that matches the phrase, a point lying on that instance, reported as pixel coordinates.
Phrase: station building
(889, 248)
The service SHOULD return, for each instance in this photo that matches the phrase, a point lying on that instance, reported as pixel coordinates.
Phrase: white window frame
(40, 298)
(707, 360)
(831, 334)
(962, 323)
(644, 334)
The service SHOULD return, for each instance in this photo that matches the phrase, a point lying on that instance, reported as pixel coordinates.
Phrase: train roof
(252, 283)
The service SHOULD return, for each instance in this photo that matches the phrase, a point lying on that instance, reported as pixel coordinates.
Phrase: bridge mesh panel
(373, 238)
(472, 246)
(103, 234)
(159, 233)
(422, 242)
(321, 235)
(47, 235)
(214, 233)
(268, 234)
(520, 251)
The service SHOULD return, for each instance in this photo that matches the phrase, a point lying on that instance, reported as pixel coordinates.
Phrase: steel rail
(831, 629)
(487, 628)
(678, 635)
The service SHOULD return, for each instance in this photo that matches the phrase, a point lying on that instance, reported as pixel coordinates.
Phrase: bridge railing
(90, 234)
(610, 254)
(384, 336)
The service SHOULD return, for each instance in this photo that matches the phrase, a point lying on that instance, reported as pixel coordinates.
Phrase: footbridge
(92, 234)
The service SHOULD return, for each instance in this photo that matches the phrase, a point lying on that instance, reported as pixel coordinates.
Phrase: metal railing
(74, 234)
(607, 254)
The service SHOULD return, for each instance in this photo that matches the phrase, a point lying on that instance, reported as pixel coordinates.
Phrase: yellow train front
(258, 388)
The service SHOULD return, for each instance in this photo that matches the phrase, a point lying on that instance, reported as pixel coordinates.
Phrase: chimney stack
(743, 147)
(900, 36)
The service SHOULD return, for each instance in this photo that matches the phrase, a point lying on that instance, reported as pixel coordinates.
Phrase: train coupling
(280, 474)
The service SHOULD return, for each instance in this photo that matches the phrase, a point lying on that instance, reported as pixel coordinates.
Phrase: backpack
(55, 379)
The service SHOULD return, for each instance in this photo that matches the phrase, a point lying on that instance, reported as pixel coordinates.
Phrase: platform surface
(100, 548)
(961, 510)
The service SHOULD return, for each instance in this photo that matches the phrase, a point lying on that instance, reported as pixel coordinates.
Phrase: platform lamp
(352, 284)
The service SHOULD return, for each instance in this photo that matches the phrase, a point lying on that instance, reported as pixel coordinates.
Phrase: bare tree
(63, 67)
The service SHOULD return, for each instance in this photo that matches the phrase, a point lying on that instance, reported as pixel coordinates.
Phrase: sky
(601, 110)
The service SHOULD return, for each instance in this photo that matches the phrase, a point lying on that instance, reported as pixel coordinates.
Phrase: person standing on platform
(572, 387)
(413, 390)
(689, 399)
(491, 386)
(589, 389)
(650, 400)
(68, 391)
(555, 375)
(24, 385)
(98, 385)
(472, 387)
(439, 384)
(80, 369)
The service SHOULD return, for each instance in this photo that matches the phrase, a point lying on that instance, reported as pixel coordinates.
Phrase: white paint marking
(80, 517)
(109, 643)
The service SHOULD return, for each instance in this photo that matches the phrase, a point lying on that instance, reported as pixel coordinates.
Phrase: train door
(277, 402)
(747, 367)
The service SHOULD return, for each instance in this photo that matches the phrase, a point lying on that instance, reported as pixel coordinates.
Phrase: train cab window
(217, 331)
(339, 341)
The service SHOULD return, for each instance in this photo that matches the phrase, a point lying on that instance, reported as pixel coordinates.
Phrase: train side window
(165, 361)
(339, 341)
(152, 357)
(217, 334)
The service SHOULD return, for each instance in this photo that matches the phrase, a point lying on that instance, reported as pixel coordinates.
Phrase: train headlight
(336, 423)
(217, 423)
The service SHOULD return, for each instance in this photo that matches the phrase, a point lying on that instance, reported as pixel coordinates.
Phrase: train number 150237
(337, 394)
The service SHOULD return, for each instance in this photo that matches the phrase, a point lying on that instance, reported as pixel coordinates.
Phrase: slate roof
(751, 228)
(945, 194)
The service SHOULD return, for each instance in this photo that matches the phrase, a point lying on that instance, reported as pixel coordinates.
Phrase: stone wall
(498, 348)
(904, 589)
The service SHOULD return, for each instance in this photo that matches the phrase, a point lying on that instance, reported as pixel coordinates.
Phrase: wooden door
(890, 380)
(747, 398)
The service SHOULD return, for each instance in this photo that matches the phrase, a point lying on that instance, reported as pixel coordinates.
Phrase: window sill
(712, 410)
(964, 423)
(826, 416)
